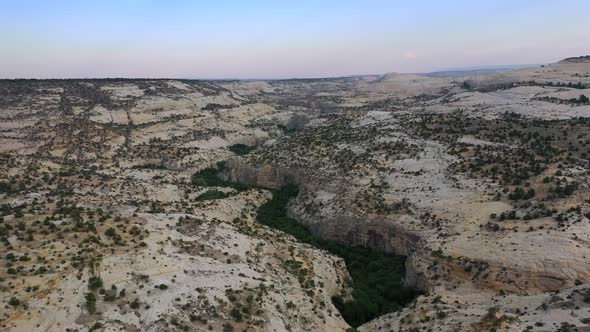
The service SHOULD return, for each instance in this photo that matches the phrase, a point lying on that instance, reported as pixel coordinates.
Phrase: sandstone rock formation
(481, 181)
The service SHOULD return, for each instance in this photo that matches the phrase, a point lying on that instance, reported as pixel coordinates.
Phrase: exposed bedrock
(517, 272)
(425, 270)
(379, 235)
(382, 235)
(265, 175)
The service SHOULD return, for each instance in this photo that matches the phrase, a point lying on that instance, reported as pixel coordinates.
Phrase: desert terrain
(160, 205)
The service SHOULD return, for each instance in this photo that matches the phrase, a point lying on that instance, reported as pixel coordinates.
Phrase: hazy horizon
(474, 68)
(270, 40)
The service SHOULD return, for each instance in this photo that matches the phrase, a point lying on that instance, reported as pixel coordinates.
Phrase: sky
(282, 38)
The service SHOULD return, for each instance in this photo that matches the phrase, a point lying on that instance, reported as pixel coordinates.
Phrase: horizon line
(507, 66)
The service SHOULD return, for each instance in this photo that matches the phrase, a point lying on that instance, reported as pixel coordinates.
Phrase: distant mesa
(390, 76)
(580, 59)
(393, 76)
(472, 72)
(479, 71)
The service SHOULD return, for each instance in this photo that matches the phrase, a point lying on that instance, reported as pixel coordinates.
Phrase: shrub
(95, 327)
(14, 302)
(135, 304)
(241, 149)
(110, 232)
(236, 314)
(211, 194)
(90, 302)
(94, 283)
(207, 178)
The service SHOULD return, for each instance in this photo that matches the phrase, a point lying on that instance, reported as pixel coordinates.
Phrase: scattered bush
(210, 195)
(90, 302)
(207, 178)
(14, 302)
(241, 149)
(135, 304)
(94, 283)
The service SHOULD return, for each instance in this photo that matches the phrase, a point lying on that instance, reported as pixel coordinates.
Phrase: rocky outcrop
(580, 59)
(489, 83)
(358, 231)
(381, 235)
(391, 234)
(406, 85)
(265, 175)
(474, 310)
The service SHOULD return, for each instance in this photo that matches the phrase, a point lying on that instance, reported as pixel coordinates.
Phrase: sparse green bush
(210, 195)
(241, 149)
(14, 302)
(236, 314)
(111, 232)
(207, 178)
(94, 283)
(135, 304)
(90, 302)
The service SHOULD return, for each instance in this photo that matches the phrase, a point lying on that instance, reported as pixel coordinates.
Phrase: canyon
(481, 182)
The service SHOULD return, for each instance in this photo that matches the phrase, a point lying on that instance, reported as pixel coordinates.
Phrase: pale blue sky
(282, 39)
